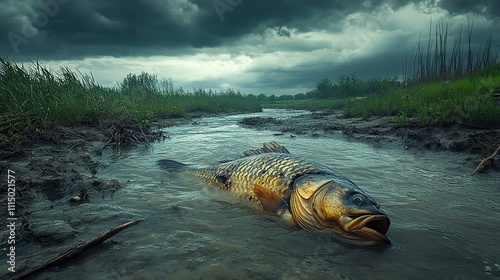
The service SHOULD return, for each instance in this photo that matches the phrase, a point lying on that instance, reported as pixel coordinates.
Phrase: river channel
(444, 222)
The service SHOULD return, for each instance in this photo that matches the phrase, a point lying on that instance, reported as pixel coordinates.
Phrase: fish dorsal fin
(271, 147)
(270, 200)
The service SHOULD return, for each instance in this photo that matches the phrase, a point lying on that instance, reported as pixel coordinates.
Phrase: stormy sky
(255, 46)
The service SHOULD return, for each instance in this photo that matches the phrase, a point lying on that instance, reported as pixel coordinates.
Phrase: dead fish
(303, 193)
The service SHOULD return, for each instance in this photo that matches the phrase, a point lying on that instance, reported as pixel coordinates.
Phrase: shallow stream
(444, 223)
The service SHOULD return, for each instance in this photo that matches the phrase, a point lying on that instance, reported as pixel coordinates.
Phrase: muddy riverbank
(385, 131)
(56, 181)
(62, 200)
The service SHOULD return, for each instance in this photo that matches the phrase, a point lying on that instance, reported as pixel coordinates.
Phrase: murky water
(444, 223)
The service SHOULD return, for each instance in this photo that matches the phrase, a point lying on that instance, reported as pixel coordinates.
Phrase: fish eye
(357, 199)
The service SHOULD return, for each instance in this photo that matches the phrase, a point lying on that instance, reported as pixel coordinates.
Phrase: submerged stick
(485, 163)
(74, 253)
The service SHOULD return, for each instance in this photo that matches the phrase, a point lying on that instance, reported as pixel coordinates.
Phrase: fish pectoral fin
(273, 202)
(270, 200)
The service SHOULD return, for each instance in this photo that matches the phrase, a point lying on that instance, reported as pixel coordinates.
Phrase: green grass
(469, 100)
(34, 100)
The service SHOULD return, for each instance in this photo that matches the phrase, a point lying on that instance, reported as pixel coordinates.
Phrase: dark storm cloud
(71, 28)
(488, 8)
(98, 27)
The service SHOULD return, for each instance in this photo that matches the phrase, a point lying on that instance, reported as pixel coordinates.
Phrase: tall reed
(431, 63)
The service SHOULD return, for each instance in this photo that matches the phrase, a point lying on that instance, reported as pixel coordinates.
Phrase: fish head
(335, 203)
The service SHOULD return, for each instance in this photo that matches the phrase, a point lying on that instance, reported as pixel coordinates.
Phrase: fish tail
(172, 165)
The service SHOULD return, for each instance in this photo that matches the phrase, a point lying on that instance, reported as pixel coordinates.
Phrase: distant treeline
(345, 86)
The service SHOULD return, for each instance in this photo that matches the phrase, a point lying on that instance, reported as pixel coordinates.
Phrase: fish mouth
(367, 228)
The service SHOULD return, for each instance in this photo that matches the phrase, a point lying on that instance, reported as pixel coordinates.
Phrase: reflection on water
(444, 223)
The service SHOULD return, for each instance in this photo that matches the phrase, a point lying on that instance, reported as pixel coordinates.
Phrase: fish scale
(273, 171)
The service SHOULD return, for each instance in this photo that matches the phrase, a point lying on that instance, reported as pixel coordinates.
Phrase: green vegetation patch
(35, 99)
(472, 100)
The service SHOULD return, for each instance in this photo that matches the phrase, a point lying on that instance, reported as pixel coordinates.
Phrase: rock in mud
(50, 231)
(459, 145)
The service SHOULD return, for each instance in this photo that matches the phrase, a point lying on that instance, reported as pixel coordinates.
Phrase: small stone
(51, 231)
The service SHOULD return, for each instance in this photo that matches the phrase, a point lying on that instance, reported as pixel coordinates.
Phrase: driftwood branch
(76, 252)
(486, 163)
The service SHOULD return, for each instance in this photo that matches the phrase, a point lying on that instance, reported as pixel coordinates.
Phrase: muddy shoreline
(384, 131)
(61, 200)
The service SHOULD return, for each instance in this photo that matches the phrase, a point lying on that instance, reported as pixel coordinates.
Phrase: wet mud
(384, 131)
(56, 182)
